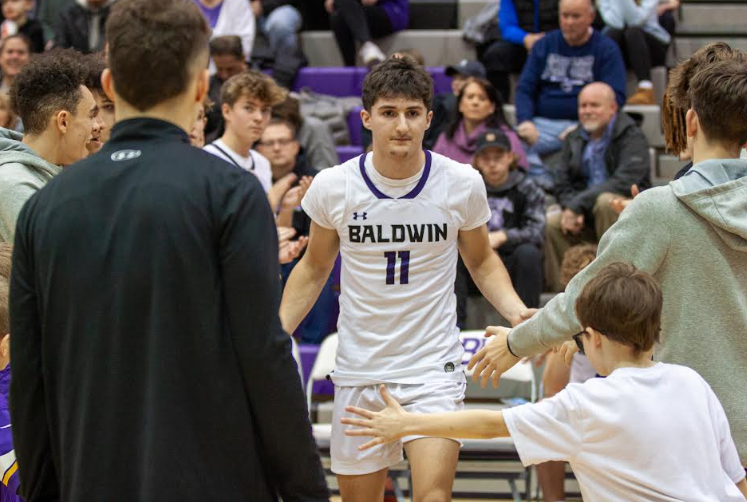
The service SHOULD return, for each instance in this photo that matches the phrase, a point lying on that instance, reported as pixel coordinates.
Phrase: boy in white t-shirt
(399, 217)
(647, 432)
(246, 103)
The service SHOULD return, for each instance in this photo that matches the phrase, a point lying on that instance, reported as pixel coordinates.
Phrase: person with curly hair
(59, 115)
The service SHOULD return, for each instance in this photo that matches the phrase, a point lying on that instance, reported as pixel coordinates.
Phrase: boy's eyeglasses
(579, 342)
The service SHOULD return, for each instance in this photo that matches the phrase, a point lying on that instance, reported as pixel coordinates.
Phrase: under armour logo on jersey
(362, 216)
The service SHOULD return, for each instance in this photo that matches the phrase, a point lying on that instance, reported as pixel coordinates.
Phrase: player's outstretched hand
(494, 358)
(566, 351)
(386, 426)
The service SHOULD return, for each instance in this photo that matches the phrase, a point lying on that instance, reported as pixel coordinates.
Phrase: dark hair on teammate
(676, 100)
(228, 45)
(154, 48)
(398, 77)
(494, 121)
(718, 94)
(95, 66)
(624, 304)
(18, 36)
(49, 83)
(255, 84)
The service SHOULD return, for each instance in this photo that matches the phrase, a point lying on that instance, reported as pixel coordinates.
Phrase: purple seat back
(348, 81)
(346, 153)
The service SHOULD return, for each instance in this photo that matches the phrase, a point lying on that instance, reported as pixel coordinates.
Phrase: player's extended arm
(393, 423)
(489, 274)
(308, 276)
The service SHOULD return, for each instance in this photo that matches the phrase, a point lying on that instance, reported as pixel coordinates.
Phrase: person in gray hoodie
(691, 235)
(60, 118)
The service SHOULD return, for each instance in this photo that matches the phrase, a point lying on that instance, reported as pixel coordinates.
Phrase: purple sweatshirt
(462, 147)
(398, 12)
(8, 464)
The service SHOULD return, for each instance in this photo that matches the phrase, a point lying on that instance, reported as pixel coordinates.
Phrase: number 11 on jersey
(404, 266)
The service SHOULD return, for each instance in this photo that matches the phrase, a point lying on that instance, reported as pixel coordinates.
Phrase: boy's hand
(566, 351)
(386, 426)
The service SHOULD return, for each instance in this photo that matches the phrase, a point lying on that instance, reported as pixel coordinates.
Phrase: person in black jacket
(599, 162)
(522, 23)
(149, 362)
(82, 26)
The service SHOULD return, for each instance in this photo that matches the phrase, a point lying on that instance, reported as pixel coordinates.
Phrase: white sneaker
(370, 54)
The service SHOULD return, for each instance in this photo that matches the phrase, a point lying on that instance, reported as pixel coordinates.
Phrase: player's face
(247, 118)
(475, 104)
(80, 128)
(14, 56)
(494, 164)
(106, 114)
(397, 125)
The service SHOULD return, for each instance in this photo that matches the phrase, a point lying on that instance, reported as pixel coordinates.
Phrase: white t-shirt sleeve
(324, 201)
(262, 169)
(467, 195)
(729, 455)
(545, 431)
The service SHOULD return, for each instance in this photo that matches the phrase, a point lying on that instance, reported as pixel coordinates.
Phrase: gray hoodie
(691, 235)
(22, 174)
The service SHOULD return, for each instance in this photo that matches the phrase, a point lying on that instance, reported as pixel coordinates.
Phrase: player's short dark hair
(718, 94)
(624, 304)
(254, 84)
(227, 45)
(154, 48)
(95, 66)
(50, 82)
(397, 77)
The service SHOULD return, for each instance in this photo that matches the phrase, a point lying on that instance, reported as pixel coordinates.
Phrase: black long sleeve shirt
(149, 363)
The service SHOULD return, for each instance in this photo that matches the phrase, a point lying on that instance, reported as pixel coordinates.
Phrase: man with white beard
(601, 159)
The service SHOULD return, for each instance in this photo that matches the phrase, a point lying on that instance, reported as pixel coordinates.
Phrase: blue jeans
(281, 28)
(547, 143)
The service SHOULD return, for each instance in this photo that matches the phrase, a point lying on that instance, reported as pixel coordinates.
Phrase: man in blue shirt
(600, 161)
(559, 66)
(522, 24)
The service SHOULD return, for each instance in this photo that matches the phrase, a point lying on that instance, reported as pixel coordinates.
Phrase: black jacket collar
(147, 128)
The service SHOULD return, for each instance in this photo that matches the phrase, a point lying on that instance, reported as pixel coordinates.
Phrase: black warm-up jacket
(148, 358)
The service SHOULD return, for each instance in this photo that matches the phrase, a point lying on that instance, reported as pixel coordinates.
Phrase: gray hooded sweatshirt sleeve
(691, 235)
(22, 174)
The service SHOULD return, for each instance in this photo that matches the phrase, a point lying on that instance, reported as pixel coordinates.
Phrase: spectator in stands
(557, 374)
(247, 100)
(317, 144)
(280, 21)
(666, 18)
(634, 26)
(16, 14)
(15, 52)
(478, 108)
(517, 223)
(59, 121)
(230, 17)
(560, 65)
(522, 23)
(8, 118)
(599, 162)
(362, 21)
(96, 65)
(10, 482)
(197, 134)
(227, 55)
(691, 235)
(82, 26)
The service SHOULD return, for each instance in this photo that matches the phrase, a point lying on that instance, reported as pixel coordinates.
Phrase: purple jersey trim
(413, 193)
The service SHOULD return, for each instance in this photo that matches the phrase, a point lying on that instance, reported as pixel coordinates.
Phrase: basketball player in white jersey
(399, 216)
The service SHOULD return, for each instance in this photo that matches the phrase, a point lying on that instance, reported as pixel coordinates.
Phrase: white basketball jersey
(398, 241)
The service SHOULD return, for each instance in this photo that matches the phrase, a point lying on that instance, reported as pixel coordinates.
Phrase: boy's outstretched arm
(393, 422)
(742, 485)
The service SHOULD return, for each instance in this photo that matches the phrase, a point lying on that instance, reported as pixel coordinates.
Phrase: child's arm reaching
(393, 422)
(742, 485)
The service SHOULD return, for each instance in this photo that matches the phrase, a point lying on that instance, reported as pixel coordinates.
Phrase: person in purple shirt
(363, 20)
(8, 464)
